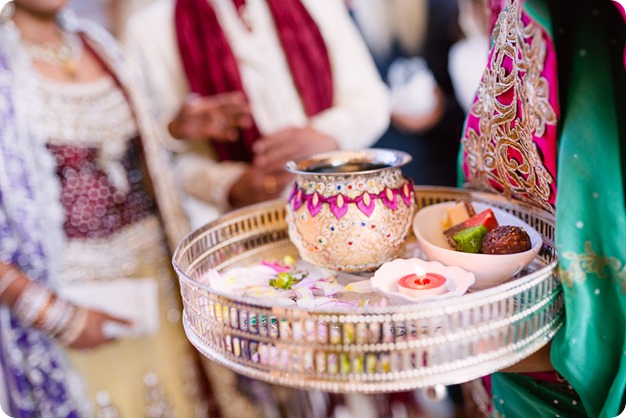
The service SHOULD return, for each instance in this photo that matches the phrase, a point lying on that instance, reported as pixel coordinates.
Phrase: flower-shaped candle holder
(423, 280)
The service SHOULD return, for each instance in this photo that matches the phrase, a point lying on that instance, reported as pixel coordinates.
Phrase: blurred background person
(302, 67)
(468, 56)
(410, 41)
(90, 314)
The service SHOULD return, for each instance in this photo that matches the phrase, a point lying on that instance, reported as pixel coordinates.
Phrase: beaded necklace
(64, 56)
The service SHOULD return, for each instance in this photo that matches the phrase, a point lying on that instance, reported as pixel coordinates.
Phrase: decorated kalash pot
(350, 210)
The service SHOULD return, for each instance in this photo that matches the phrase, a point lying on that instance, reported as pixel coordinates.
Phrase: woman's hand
(91, 335)
(215, 117)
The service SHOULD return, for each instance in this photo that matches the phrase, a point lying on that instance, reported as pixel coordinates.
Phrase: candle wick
(422, 281)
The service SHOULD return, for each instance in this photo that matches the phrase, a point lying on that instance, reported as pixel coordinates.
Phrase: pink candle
(421, 283)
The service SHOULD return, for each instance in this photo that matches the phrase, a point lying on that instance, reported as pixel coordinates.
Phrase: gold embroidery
(512, 106)
(591, 262)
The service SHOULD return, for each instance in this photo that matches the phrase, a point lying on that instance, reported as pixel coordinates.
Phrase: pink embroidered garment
(510, 143)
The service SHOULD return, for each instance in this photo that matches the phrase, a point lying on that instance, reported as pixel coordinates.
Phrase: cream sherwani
(358, 117)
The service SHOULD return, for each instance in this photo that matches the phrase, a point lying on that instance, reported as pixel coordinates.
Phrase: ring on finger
(270, 185)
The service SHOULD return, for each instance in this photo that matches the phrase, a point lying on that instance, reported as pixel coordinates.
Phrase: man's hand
(256, 186)
(267, 177)
(272, 152)
(215, 117)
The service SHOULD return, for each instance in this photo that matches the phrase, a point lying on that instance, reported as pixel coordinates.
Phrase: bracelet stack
(39, 307)
(30, 303)
(56, 317)
(74, 328)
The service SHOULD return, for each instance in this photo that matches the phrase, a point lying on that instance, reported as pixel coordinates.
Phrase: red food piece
(485, 218)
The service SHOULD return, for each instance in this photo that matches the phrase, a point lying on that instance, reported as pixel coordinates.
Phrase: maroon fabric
(211, 67)
(94, 208)
(239, 3)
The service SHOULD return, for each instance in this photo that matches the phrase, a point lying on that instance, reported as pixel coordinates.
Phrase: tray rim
(480, 367)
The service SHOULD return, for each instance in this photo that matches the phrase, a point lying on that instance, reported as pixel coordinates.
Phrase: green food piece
(470, 240)
(283, 280)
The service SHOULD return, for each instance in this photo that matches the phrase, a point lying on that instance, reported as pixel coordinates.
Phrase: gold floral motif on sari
(512, 106)
(591, 262)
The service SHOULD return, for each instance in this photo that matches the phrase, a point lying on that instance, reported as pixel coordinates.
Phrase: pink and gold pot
(350, 210)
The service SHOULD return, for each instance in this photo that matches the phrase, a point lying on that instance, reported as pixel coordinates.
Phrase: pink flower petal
(366, 209)
(297, 199)
(279, 268)
(389, 198)
(407, 193)
(338, 205)
(314, 203)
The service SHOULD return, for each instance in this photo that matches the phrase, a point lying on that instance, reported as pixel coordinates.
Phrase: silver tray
(370, 349)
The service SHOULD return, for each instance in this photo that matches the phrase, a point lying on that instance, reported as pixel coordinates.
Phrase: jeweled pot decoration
(350, 210)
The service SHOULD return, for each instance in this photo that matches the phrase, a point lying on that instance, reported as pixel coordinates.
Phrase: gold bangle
(58, 316)
(73, 329)
(30, 302)
(41, 316)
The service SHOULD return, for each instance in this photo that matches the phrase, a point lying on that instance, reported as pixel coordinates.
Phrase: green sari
(589, 352)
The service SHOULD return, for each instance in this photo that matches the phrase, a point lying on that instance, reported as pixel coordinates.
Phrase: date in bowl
(350, 210)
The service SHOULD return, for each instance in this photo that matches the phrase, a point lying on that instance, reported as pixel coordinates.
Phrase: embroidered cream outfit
(135, 376)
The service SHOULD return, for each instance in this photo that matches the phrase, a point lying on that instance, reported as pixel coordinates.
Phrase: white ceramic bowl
(489, 269)
(385, 279)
